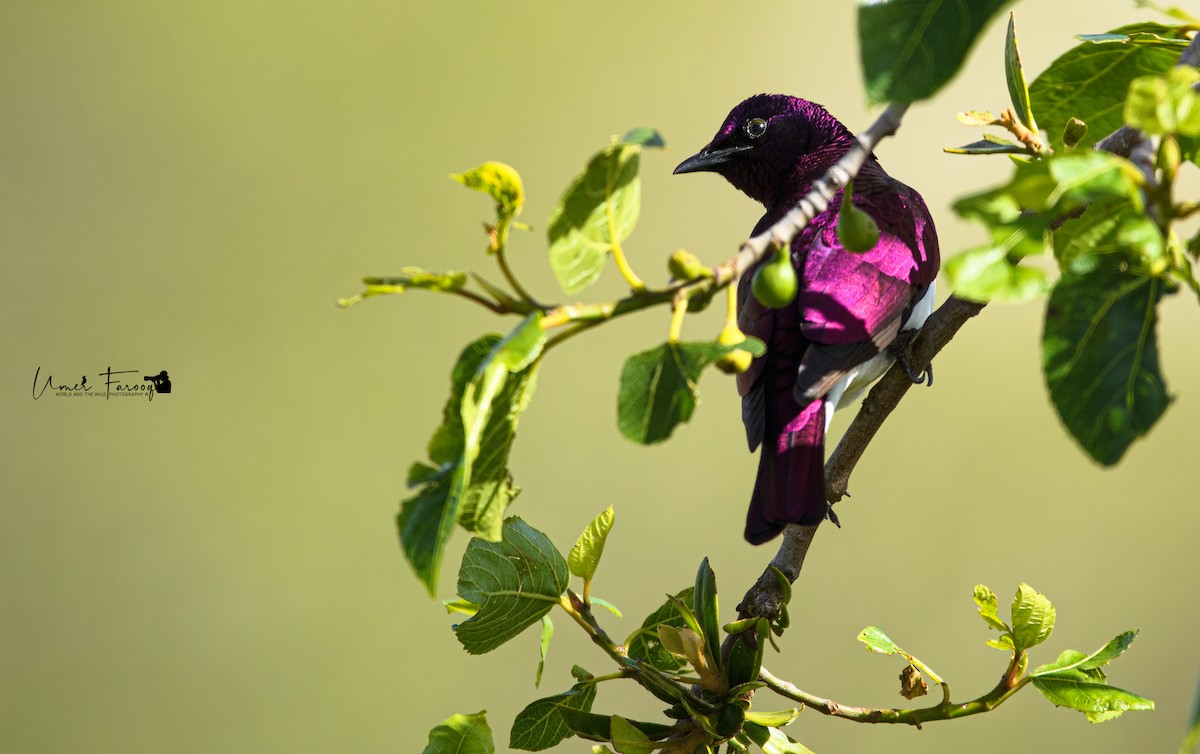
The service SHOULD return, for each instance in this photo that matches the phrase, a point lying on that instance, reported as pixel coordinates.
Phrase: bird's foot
(901, 349)
(833, 518)
(923, 377)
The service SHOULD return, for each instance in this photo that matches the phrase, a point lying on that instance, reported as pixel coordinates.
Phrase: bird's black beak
(709, 159)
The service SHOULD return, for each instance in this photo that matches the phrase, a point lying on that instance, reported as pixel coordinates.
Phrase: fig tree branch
(917, 716)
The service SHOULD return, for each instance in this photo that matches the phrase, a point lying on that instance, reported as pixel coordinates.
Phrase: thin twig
(487, 303)
(502, 261)
(943, 711)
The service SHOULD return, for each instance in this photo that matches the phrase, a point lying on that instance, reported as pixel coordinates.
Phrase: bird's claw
(923, 377)
(901, 348)
(833, 518)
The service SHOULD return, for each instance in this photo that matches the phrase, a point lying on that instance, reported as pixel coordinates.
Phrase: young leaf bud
(1073, 133)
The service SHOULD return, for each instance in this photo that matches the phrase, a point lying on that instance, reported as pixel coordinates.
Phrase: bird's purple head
(771, 143)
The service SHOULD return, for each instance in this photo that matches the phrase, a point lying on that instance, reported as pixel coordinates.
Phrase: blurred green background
(190, 186)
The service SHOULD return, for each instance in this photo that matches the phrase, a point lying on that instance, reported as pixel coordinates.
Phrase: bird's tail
(790, 487)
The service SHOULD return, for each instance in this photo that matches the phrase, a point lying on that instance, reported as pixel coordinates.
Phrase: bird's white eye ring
(756, 127)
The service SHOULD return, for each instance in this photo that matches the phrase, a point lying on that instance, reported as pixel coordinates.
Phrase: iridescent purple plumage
(826, 346)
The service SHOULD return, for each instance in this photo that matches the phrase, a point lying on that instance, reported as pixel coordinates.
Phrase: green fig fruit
(699, 302)
(856, 229)
(683, 265)
(774, 283)
(734, 362)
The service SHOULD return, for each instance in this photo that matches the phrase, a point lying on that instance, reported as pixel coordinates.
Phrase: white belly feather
(846, 390)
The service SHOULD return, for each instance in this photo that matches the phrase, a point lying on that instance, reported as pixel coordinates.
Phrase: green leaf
(1005, 642)
(1100, 356)
(1018, 214)
(702, 717)
(597, 211)
(461, 734)
(415, 277)
(990, 145)
(645, 137)
(744, 660)
(759, 734)
(522, 346)
(1057, 185)
(658, 387)
(989, 608)
(730, 720)
(1090, 81)
(408, 277)
(599, 727)
(1032, 617)
(986, 274)
(661, 685)
(1153, 40)
(977, 118)
(543, 648)
(1108, 234)
(674, 641)
(1018, 90)
(586, 724)
(460, 606)
(877, 641)
(1189, 148)
(610, 607)
(627, 739)
(499, 181)
(911, 48)
(644, 645)
(704, 602)
(425, 522)
(1067, 666)
(774, 719)
(540, 726)
(585, 555)
(1071, 660)
(515, 582)
(689, 616)
(468, 485)
(1165, 104)
(1193, 734)
(481, 513)
(1098, 701)
(778, 742)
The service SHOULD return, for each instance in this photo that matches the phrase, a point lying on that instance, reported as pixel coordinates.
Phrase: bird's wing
(851, 305)
(757, 321)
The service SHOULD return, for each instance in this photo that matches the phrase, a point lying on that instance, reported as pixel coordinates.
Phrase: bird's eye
(756, 127)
